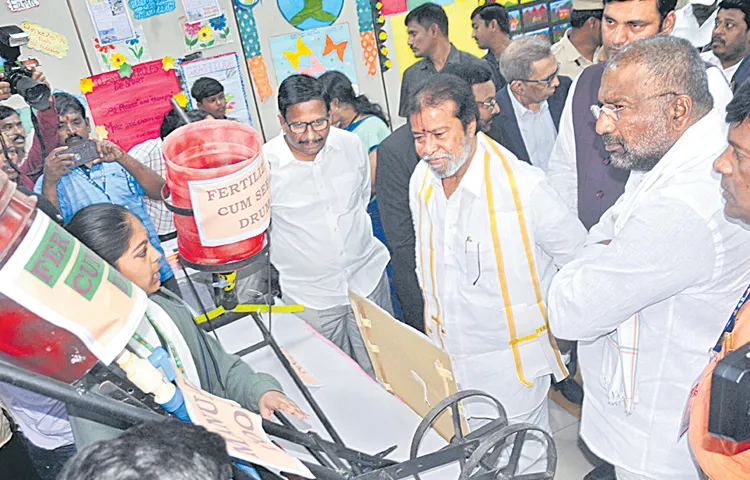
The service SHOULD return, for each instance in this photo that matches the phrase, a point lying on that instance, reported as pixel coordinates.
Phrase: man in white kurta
(490, 234)
(661, 272)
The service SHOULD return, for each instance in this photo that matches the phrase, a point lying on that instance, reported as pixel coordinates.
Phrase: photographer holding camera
(28, 159)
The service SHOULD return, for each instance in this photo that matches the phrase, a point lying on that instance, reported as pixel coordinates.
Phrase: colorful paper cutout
(286, 48)
(21, 5)
(459, 18)
(101, 132)
(309, 14)
(86, 85)
(45, 40)
(167, 63)
(135, 51)
(182, 99)
(206, 33)
(226, 70)
(251, 46)
(132, 109)
(149, 8)
(301, 51)
(331, 47)
(392, 7)
(367, 41)
(315, 69)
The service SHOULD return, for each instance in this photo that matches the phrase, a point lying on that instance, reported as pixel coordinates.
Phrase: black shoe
(570, 390)
(605, 471)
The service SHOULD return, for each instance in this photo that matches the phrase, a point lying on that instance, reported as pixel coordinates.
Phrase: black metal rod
(417, 465)
(315, 453)
(297, 381)
(85, 400)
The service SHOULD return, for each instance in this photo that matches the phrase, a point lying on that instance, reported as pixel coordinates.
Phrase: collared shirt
(322, 241)
(686, 26)
(106, 182)
(149, 154)
(571, 61)
(562, 169)
(5, 433)
(714, 60)
(469, 299)
(678, 261)
(424, 69)
(43, 420)
(537, 129)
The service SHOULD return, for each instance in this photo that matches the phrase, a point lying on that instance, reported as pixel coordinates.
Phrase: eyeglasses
(301, 127)
(489, 104)
(547, 81)
(613, 111)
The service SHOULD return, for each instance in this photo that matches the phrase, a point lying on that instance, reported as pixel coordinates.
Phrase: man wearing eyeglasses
(532, 102)
(661, 272)
(321, 236)
(580, 168)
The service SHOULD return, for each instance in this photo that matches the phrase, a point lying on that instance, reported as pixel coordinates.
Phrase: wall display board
(545, 19)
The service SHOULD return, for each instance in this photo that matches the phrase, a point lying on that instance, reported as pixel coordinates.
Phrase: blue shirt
(106, 182)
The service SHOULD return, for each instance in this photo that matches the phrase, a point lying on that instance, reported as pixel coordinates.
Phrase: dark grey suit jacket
(505, 128)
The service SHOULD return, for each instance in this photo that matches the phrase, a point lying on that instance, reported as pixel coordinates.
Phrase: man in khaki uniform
(578, 47)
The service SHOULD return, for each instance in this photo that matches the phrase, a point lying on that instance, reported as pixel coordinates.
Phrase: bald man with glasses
(532, 102)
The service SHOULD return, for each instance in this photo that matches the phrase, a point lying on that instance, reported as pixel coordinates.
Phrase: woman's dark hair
(105, 228)
(300, 89)
(339, 87)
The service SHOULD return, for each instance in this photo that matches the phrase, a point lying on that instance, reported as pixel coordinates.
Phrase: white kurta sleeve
(663, 248)
(562, 170)
(363, 167)
(557, 231)
(720, 90)
(414, 185)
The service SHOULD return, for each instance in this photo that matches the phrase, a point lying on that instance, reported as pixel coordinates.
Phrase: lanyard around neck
(729, 327)
(170, 345)
(103, 187)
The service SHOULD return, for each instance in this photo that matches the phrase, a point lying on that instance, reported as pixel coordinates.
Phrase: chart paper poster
(132, 109)
(232, 208)
(226, 70)
(240, 428)
(20, 5)
(314, 52)
(59, 279)
(111, 21)
(309, 14)
(148, 8)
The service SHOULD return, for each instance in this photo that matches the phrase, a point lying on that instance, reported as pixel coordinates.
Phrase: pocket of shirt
(347, 188)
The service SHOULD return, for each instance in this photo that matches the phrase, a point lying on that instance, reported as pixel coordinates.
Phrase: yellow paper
(459, 33)
(45, 40)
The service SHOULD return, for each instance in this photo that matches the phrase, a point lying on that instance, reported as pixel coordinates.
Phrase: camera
(35, 93)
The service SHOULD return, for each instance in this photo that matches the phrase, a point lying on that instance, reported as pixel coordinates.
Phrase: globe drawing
(308, 14)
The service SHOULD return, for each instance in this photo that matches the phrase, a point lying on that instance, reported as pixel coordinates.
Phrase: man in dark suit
(532, 102)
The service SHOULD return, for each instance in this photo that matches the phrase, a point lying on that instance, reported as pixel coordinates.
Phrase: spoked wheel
(485, 463)
(471, 439)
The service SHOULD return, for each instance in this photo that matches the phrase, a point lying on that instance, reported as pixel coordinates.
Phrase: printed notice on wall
(197, 10)
(111, 21)
(240, 428)
(21, 5)
(234, 207)
(45, 40)
(59, 279)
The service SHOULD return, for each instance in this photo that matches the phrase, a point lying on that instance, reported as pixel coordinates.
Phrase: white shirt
(537, 130)
(679, 262)
(686, 26)
(468, 289)
(714, 60)
(148, 153)
(562, 171)
(321, 235)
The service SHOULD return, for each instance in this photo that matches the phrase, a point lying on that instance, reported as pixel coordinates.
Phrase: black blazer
(505, 129)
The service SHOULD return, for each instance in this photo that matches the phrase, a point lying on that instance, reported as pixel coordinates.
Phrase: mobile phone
(83, 153)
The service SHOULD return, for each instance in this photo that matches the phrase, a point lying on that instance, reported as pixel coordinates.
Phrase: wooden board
(406, 362)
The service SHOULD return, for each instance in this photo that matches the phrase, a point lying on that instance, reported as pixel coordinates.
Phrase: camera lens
(35, 93)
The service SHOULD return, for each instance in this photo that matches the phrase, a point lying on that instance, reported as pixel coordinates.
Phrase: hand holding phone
(83, 153)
